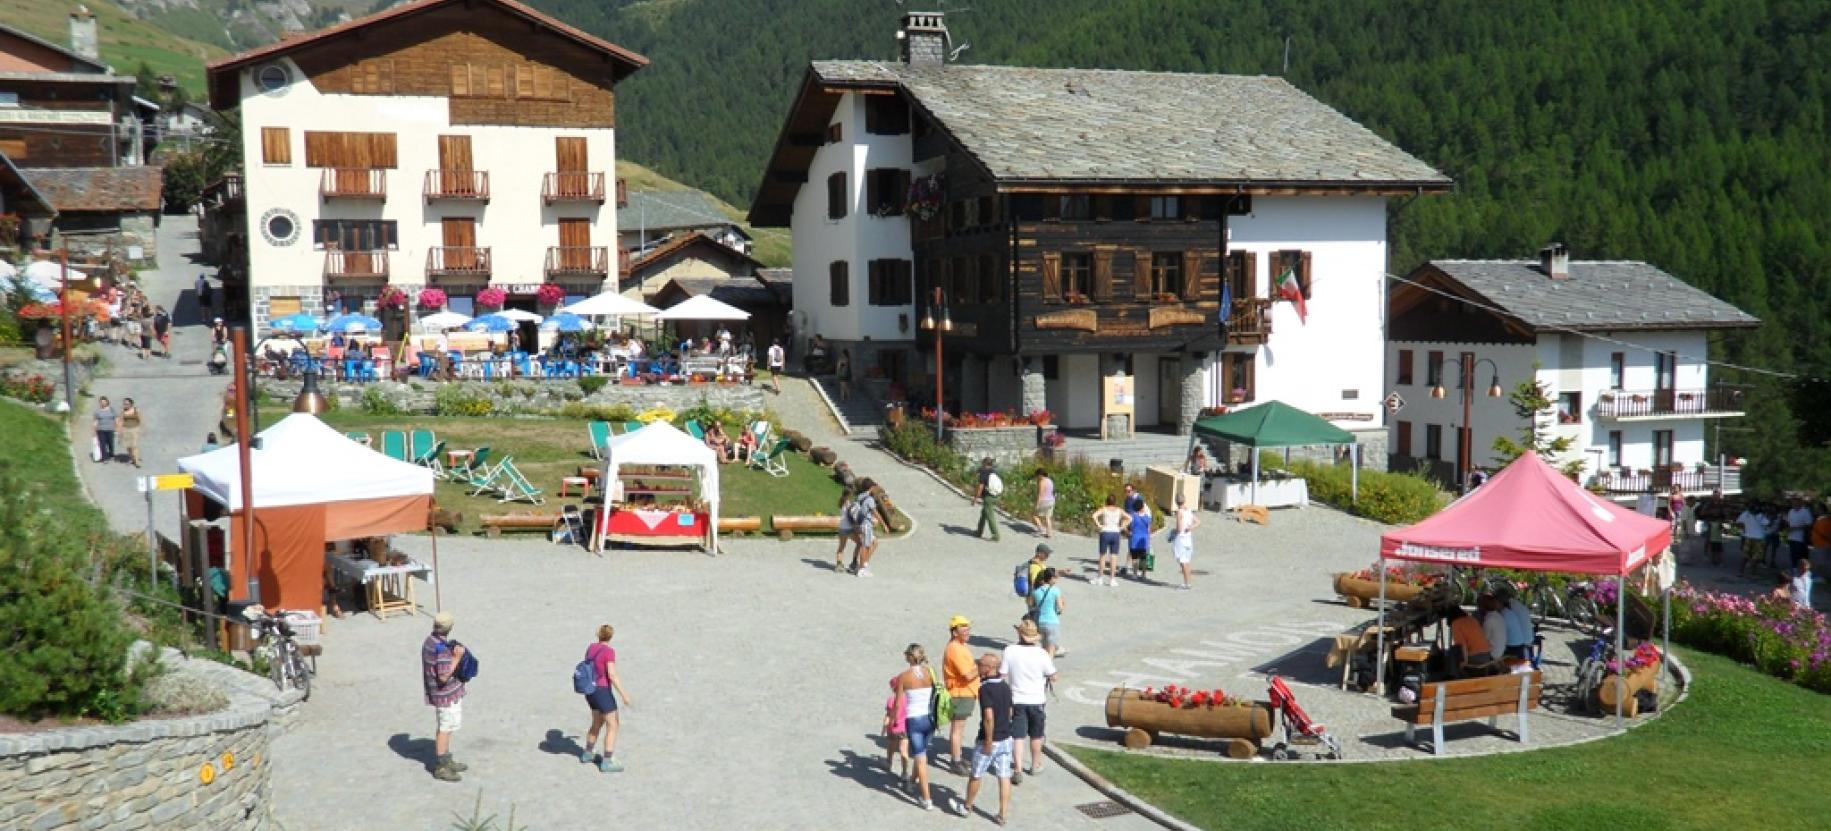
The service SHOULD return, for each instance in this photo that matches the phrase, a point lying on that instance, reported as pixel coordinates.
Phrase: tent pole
(1255, 474)
(1379, 661)
(1621, 664)
(438, 594)
(1354, 474)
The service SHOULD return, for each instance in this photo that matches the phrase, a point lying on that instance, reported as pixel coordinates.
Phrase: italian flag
(1289, 290)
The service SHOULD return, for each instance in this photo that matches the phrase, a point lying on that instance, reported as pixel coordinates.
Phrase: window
(886, 115)
(1052, 368)
(1237, 377)
(1296, 262)
(987, 208)
(355, 234)
(1402, 437)
(1167, 274)
(963, 289)
(1433, 369)
(885, 189)
(1166, 207)
(1617, 370)
(1570, 408)
(1404, 367)
(9, 99)
(374, 76)
(1433, 441)
(349, 150)
(1614, 448)
(1073, 206)
(1077, 274)
(272, 77)
(282, 229)
(839, 279)
(276, 145)
(991, 282)
(836, 196)
(1662, 449)
(888, 283)
(835, 132)
(1665, 370)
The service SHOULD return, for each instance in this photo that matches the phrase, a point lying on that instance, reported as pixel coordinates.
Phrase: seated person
(1493, 626)
(719, 442)
(1519, 625)
(746, 445)
(1470, 652)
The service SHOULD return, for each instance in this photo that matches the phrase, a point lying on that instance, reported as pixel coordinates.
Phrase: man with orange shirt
(1469, 644)
(961, 676)
(1821, 536)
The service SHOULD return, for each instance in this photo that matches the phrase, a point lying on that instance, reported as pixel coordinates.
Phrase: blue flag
(1226, 301)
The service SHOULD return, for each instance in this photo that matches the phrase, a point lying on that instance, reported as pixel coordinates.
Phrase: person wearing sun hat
(960, 674)
(1029, 670)
(439, 657)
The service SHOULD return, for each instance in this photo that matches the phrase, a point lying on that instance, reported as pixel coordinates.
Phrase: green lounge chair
(600, 437)
(394, 445)
(631, 426)
(697, 431)
(770, 461)
(358, 437)
(464, 471)
(515, 487)
(760, 430)
(420, 443)
(489, 478)
(430, 459)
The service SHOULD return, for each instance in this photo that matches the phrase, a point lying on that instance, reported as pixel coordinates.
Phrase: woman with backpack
(913, 694)
(861, 513)
(606, 688)
(1046, 603)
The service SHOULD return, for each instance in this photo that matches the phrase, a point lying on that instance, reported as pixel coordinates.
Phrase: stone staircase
(863, 414)
(1139, 451)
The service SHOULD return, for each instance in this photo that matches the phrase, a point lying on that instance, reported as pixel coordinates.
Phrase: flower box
(1625, 688)
(1144, 714)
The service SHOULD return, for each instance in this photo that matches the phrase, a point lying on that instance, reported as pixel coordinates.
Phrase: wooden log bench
(1469, 699)
(495, 524)
(739, 524)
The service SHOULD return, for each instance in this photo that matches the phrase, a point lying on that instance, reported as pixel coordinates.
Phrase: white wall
(1074, 394)
(1491, 416)
(515, 224)
(1309, 365)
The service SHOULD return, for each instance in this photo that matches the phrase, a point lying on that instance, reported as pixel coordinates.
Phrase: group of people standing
(138, 323)
(110, 424)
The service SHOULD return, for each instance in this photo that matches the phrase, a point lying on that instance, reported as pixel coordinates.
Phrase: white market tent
(661, 443)
(610, 304)
(520, 316)
(440, 321)
(703, 307)
(49, 273)
(302, 461)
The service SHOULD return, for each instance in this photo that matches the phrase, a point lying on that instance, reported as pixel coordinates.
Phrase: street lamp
(937, 319)
(1467, 365)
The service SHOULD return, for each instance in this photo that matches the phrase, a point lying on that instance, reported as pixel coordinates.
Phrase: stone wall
(137, 229)
(1006, 445)
(535, 396)
(311, 302)
(150, 773)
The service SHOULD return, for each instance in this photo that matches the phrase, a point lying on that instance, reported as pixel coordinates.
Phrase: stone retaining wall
(149, 774)
(1006, 445)
(535, 396)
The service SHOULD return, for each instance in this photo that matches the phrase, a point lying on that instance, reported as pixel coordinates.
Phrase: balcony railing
(224, 191)
(1689, 479)
(1250, 320)
(457, 261)
(1659, 403)
(340, 264)
(590, 260)
(353, 183)
(572, 187)
(458, 184)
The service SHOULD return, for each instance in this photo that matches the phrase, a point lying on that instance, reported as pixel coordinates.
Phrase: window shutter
(460, 79)
(524, 81)
(1141, 273)
(1192, 275)
(1303, 273)
(276, 145)
(381, 152)
(1251, 267)
(1103, 272)
(873, 195)
(1052, 275)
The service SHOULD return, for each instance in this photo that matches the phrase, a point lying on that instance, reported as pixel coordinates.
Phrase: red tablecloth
(642, 525)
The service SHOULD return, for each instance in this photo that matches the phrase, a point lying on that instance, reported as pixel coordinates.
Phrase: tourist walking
(916, 687)
(848, 533)
(130, 429)
(1109, 521)
(147, 331)
(778, 359)
(439, 657)
(1754, 539)
(862, 513)
(105, 420)
(1798, 522)
(1140, 532)
(961, 676)
(219, 334)
(203, 294)
(1043, 515)
(993, 753)
(607, 690)
(1030, 671)
(162, 331)
(1046, 602)
(1033, 572)
(134, 341)
(988, 490)
(1182, 537)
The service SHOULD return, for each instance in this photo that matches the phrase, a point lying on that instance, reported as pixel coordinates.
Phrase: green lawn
(1744, 751)
(35, 450)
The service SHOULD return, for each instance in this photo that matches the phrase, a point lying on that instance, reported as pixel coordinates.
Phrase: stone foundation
(1006, 445)
(420, 397)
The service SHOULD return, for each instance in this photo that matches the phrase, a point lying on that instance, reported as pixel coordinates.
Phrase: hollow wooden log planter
(1616, 687)
(823, 455)
(447, 521)
(739, 524)
(495, 524)
(1144, 717)
(800, 443)
(1361, 593)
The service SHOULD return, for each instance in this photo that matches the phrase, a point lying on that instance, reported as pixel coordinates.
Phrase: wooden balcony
(457, 184)
(579, 261)
(622, 193)
(572, 187)
(457, 261)
(1250, 320)
(346, 265)
(353, 183)
(224, 191)
(1691, 480)
(1715, 402)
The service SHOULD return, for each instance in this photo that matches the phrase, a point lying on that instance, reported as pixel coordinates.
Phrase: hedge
(1392, 498)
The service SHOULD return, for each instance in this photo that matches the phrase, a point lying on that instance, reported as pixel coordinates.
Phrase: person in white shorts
(992, 750)
(1182, 537)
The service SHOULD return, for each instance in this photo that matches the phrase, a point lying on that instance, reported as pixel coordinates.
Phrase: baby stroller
(219, 360)
(1299, 730)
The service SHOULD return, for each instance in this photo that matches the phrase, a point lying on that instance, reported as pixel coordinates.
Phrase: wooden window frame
(276, 146)
(1239, 372)
(886, 115)
(878, 180)
(839, 284)
(1573, 413)
(1433, 442)
(1617, 370)
(1433, 368)
(1404, 371)
(1403, 443)
(1167, 277)
(382, 150)
(888, 282)
(1073, 207)
(384, 231)
(835, 133)
(1166, 208)
(1077, 277)
(1300, 261)
(1615, 442)
(838, 196)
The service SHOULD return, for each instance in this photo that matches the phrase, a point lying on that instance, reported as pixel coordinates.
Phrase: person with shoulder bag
(915, 686)
(1046, 604)
(596, 678)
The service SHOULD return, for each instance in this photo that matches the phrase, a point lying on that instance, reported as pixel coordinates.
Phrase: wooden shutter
(570, 154)
(1141, 273)
(524, 81)
(276, 145)
(460, 80)
(1303, 273)
(1052, 275)
(1192, 275)
(381, 150)
(575, 244)
(873, 196)
(318, 149)
(1103, 272)
(1251, 267)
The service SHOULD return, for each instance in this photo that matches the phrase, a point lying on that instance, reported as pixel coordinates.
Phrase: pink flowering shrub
(1767, 632)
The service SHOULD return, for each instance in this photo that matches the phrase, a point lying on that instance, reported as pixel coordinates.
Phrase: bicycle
(285, 657)
(1575, 605)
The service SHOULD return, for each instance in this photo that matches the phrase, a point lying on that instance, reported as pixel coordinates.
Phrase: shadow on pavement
(1306, 664)
(560, 744)
(418, 750)
(959, 530)
(820, 565)
(1164, 740)
(865, 770)
(984, 642)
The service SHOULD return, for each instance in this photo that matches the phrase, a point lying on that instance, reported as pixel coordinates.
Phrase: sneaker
(926, 805)
(608, 765)
(863, 572)
(587, 757)
(1184, 587)
(444, 773)
(1017, 777)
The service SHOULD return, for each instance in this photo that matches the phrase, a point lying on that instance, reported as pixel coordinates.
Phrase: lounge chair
(515, 487)
(631, 426)
(600, 437)
(394, 445)
(697, 431)
(430, 459)
(420, 443)
(358, 437)
(759, 429)
(489, 478)
(477, 464)
(770, 461)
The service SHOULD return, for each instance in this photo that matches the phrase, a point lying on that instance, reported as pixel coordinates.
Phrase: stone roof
(1598, 295)
(737, 291)
(77, 59)
(1092, 125)
(664, 210)
(98, 189)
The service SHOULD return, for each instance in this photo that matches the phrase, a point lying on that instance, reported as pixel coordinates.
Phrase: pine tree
(1529, 399)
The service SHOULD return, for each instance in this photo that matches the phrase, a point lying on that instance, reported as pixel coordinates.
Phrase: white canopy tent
(49, 273)
(661, 443)
(703, 307)
(441, 321)
(610, 304)
(520, 316)
(302, 461)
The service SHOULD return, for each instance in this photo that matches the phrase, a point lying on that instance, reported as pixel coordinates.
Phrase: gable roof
(743, 292)
(1598, 295)
(691, 240)
(664, 210)
(11, 174)
(225, 90)
(78, 58)
(98, 189)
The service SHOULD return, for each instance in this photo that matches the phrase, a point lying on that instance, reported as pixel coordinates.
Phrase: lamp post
(63, 307)
(937, 319)
(1467, 366)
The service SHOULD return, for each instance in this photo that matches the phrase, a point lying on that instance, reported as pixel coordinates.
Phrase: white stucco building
(443, 144)
(1619, 347)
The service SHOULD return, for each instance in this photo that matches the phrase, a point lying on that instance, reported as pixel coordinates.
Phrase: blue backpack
(585, 678)
(1020, 579)
(467, 666)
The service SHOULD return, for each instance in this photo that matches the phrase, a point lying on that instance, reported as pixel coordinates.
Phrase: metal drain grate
(1103, 810)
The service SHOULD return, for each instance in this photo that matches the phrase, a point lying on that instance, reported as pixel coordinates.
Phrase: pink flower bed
(1769, 633)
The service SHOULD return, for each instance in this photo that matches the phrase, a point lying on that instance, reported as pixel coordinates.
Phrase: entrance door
(575, 244)
(460, 239)
(1662, 449)
(573, 180)
(1169, 390)
(1665, 381)
(455, 167)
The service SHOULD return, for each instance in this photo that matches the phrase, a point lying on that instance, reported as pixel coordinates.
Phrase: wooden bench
(1469, 699)
(495, 524)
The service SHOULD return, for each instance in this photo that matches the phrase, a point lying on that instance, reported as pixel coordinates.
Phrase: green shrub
(1392, 498)
(1080, 485)
(592, 383)
(454, 400)
(375, 403)
(615, 413)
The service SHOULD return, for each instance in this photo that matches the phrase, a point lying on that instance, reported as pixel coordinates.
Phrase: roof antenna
(955, 55)
(1287, 56)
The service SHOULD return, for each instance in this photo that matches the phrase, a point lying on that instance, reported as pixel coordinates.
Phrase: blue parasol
(300, 322)
(566, 322)
(491, 323)
(352, 323)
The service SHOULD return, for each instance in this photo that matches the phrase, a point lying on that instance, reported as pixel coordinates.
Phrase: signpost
(149, 485)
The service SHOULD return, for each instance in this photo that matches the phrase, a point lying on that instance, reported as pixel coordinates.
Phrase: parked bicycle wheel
(301, 673)
(1584, 614)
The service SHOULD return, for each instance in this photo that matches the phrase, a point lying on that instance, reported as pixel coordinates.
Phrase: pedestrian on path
(439, 657)
(778, 359)
(1030, 671)
(219, 334)
(848, 533)
(864, 527)
(1182, 537)
(162, 331)
(603, 702)
(842, 371)
(990, 487)
(1043, 515)
(147, 331)
(1140, 536)
(995, 742)
(105, 422)
(130, 429)
(916, 687)
(134, 341)
(961, 675)
(1046, 602)
(1033, 573)
(1108, 520)
(203, 294)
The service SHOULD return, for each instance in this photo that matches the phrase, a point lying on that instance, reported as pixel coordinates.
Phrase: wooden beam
(1213, 190)
(806, 139)
(789, 177)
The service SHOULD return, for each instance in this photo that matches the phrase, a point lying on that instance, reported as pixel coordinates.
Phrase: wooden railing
(223, 191)
(1670, 402)
(592, 260)
(1689, 479)
(458, 184)
(347, 264)
(353, 183)
(455, 261)
(623, 258)
(1250, 320)
(572, 187)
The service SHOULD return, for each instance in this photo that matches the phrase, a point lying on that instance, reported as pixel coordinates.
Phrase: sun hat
(443, 621)
(958, 621)
(1027, 631)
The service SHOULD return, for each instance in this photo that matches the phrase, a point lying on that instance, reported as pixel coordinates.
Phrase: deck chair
(515, 487)
(358, 437)
(489, 478)
(570, 526)
(760, 430)
(697, 431)
(770, 461)
(631, 426)
(420, 443)
(464, 471)
(394, 445)
(600, 437)
(430, 459)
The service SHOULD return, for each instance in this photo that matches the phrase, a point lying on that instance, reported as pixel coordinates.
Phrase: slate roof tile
(1598, 295)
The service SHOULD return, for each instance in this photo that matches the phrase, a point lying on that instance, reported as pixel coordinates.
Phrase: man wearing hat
(439, 657)
(993, 752)
(961, 677)
(984, 496)
(1029, 670)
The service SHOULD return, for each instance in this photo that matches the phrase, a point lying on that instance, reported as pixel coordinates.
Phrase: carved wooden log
(823, 455)
(805, 523)
(1623, 688)
(1133, 709)
(885, 508)
(727, 524)
(494, 524)
(843, 472)
(447, 521)
(1368, 591)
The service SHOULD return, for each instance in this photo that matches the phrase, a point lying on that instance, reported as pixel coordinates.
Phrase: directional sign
(167, 482)
(1394, 403)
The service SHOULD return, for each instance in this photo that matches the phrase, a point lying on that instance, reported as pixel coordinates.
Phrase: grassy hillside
(126, 40)
(772, 244)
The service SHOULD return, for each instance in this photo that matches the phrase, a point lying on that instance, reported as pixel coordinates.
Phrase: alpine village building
(449, 144)
(1087, 227)
(1618, 347)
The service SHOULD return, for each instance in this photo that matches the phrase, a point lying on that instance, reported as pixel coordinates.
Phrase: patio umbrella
(566, 322)
(300, 322)
(703, 307)
(519, 316)
(49, 274)
(352, 323)
(491, 323)
(440, 321)
(610, 304)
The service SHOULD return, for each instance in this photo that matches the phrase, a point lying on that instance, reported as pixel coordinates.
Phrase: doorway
(1169, 390)
(525, 331)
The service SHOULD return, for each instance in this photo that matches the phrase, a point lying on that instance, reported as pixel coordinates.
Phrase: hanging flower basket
(432, 298)
(392, 299)
(924, 198)
(492, 298)
(550, 294)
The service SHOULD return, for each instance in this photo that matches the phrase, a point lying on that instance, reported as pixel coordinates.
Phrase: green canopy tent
(1275, 424)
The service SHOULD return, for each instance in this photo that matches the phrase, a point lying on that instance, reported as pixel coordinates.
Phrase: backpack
(1020, 579)
(467, 666)
(942, 704)
(994, 486)
(585, 677)
(856, 514)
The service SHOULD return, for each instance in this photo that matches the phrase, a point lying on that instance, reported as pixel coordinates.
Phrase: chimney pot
(82, 33)
(924, 38)
(1554, 260)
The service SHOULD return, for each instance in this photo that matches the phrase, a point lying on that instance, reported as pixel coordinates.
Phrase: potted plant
(550, 295)
(1238, 396)
(492, 298)
(431, 298)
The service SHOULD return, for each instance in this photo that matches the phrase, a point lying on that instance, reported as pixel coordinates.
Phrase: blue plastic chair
(426, 364)
(368, 370)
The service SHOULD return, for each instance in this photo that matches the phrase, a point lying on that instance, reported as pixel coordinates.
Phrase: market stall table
(1225, 493)
(646, 526)
(389, 589)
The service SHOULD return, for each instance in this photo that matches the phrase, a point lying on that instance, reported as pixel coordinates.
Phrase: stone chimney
(82, 33)
(1554, 260)
(924, 37)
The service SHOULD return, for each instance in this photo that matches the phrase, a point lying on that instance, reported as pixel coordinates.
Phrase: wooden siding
(494, 69)
(72, 145)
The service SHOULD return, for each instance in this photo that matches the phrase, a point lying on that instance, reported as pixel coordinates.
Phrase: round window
(280, 227)
(272, 77)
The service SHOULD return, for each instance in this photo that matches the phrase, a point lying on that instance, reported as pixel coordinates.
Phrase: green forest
(1691, 134)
